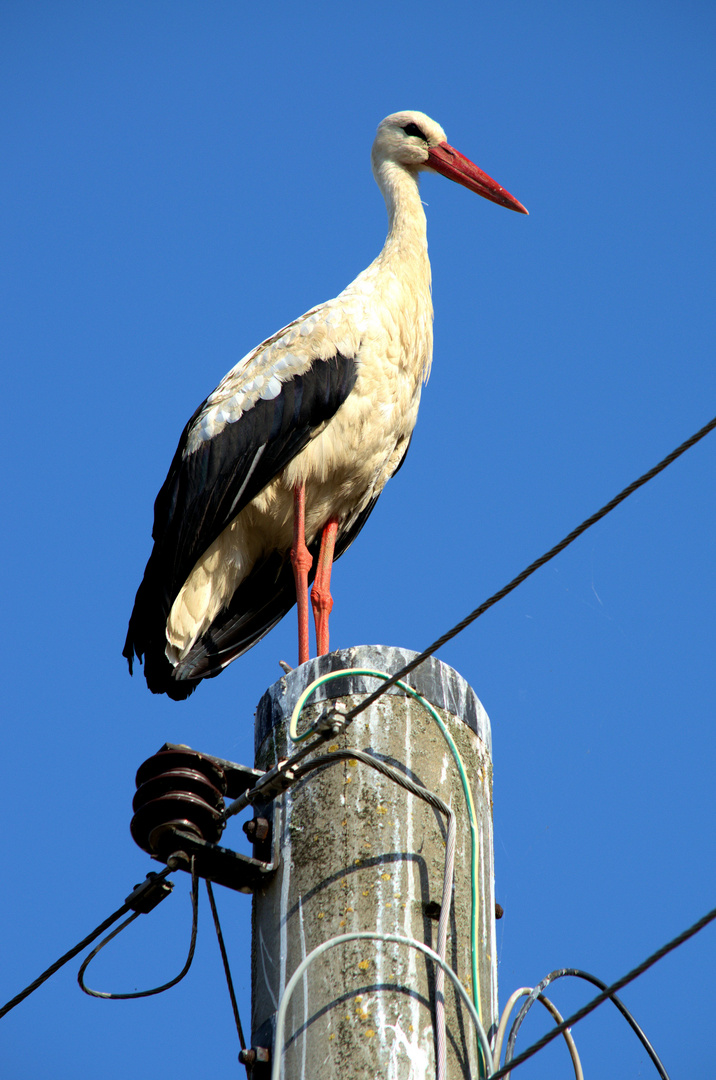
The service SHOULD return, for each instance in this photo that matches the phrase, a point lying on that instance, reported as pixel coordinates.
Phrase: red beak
(450, 162)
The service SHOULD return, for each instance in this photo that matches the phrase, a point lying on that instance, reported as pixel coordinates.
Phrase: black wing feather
(261, 601)
(205, 490)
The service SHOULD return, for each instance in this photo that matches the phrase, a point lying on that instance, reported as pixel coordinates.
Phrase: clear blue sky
(179, 180)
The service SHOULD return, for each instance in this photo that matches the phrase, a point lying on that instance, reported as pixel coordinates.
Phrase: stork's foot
(321, 598)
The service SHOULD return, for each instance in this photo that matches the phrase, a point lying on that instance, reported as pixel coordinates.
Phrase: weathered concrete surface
(360, 853)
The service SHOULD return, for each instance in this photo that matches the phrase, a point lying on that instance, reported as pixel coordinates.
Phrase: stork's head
(416, 142)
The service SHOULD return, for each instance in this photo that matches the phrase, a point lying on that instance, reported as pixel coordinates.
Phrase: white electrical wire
(370, 935)
(525, 991)
(295, 736)
(448, 874)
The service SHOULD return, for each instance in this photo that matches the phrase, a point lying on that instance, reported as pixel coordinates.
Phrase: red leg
(302, 562)
(321, 598)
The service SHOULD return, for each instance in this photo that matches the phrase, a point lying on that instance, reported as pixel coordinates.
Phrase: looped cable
(536, 993)
(122, 926)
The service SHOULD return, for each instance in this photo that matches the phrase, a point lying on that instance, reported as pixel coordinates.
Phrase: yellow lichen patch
(344, 822)
(352, 762)
(357, 862)
(331, 750)
(331, 1036)
(364, 965)
(369, 1033)
(385, 877)
(366, 892)
(320, 914)
(382, 810)
(344, 883)
(342, 922)
(348, 779)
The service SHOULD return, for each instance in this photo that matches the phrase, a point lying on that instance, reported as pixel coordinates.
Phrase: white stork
(284, 461)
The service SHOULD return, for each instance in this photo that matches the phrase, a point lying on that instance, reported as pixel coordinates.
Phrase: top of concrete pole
(439, 684)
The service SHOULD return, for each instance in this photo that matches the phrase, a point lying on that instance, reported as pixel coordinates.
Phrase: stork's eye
(413, 129)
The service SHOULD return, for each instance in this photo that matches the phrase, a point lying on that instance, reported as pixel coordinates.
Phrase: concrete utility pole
(359, 852)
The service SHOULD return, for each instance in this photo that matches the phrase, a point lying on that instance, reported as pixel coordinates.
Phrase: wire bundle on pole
(297, 737)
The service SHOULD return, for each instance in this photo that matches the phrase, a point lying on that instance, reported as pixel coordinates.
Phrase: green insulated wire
(298, 737)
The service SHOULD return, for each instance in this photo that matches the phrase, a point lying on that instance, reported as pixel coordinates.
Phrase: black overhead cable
(225, 959)
(139, 900)
(63, 960)
(579, 974)
(610, 991)
(279, 777)
(496, 597)
(134, 901)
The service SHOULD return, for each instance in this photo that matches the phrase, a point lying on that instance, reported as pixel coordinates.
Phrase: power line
(63, 960)
(579, 974)
(606, 994)
(496, 597)
(150, 892)
(366, 703)
(279, 778)
(225, 961)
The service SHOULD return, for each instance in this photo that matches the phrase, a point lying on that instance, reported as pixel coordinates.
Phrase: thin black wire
(496, 597)
(63, 960)
(577, 973)
(270, 778)
(607, 993)
(225, 958)
(118, 930)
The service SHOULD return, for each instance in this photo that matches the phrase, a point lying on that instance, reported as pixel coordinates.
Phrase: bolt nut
(255, 1055)
(179, 860)
(257, 830)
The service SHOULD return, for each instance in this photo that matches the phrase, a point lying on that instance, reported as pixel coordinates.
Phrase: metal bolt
(257, 830)
(255, 1055)
(499, 911)
(179, 860)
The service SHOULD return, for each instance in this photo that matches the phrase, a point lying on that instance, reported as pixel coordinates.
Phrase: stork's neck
(407, 227)
(404, 263)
